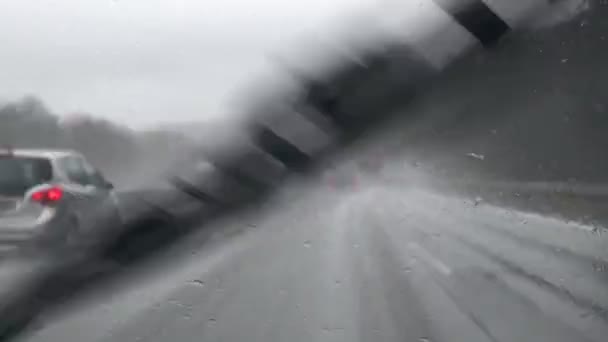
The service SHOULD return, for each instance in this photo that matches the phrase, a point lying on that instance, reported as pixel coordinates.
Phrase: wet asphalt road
(373, 263)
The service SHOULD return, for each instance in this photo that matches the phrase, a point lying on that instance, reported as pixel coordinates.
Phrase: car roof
(42, 153)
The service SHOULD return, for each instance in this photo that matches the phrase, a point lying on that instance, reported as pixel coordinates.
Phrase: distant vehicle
(340, 176)
(373, 163)
(51, 197)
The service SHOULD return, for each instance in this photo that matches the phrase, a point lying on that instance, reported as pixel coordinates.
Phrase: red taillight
(53, 194)
(38, 196)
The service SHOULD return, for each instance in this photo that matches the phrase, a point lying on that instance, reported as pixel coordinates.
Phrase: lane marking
(430, 259)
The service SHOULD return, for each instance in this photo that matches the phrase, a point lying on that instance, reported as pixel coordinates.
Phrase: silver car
(50, 197)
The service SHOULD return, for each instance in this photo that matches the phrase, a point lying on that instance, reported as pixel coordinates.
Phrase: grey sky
(144, 61)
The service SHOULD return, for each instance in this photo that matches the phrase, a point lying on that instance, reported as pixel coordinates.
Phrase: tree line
(116, 150)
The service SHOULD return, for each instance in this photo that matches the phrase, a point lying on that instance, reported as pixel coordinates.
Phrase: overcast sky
(144, 61)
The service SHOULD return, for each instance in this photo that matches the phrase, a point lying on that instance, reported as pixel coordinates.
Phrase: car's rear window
(18, 174)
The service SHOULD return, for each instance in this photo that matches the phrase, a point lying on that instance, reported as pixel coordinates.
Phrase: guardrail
(577, 189)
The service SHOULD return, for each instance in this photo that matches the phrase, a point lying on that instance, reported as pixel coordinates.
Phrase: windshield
(295, 171)
(18, 174)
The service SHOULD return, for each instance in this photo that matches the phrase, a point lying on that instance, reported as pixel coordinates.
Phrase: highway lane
(375, 262)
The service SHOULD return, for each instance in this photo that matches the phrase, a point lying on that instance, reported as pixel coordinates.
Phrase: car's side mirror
(100, 181)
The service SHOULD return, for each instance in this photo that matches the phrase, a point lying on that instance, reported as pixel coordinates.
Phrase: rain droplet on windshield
(476, 156)
(477, 201)
(197, 282)
(307, 243)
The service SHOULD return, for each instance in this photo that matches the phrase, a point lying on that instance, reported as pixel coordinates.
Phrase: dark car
(50, 198)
